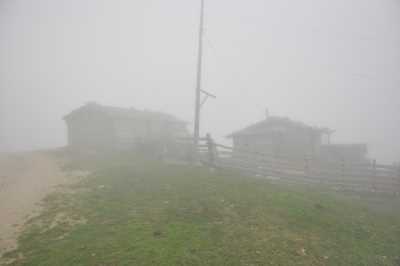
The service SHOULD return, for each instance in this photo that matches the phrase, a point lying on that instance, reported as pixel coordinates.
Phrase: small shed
(98, 126)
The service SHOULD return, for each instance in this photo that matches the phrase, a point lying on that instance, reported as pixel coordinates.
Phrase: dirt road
(25, 180)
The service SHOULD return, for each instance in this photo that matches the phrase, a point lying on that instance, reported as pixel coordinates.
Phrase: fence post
(343, 174)
(398, 177)
(374, 175)
(306, 167)
(192, 153)
(210, 148)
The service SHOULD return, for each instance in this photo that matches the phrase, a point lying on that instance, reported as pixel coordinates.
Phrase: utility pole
(199, 76)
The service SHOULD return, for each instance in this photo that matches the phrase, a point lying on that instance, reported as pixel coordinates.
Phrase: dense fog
(327, 63)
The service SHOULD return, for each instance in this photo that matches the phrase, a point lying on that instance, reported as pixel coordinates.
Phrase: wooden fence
(371, 177)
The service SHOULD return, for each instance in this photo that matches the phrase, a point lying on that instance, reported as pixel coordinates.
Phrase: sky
(327, 63)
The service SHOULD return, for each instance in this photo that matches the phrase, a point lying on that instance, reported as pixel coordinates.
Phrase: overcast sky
(327, 63)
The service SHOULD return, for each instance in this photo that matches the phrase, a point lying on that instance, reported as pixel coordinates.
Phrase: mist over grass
(135, 211)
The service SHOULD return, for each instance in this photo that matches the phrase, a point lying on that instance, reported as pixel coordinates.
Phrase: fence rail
(344, 175)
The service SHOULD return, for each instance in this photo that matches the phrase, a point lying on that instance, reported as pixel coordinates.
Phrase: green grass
(138, 212)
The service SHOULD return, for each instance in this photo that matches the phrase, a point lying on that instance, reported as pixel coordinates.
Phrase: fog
(327, 63)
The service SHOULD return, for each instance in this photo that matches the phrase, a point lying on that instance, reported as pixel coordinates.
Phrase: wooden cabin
(95, 126)
(286, 138)
(280, 136)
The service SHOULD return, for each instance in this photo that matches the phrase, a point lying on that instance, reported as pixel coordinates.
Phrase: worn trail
(25, 180)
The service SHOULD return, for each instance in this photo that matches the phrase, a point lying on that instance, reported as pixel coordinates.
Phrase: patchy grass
(141, 212)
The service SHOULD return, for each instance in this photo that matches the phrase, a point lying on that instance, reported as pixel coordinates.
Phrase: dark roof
(258, 128)
(118, 112)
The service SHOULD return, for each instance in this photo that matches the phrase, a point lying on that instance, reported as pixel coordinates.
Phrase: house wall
(96, 127)
(285, 143)
(127, 132)
(130, 132)
(90, 131)
(349, 153)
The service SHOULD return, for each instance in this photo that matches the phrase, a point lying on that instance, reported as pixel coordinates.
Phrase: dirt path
(25, 180)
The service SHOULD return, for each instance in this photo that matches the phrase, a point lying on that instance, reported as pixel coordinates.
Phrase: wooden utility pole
(199, 76)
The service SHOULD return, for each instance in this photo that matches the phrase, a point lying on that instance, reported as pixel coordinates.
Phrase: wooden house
(96, 126)
(280, 136)
(283, 137)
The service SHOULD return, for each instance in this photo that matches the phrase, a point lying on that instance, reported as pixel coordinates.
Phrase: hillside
(132, 211)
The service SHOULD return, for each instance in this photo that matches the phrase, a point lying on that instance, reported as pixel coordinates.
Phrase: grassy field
(139, 212)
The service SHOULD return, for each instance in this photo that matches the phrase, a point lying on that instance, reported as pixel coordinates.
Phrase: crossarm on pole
(208, 94)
